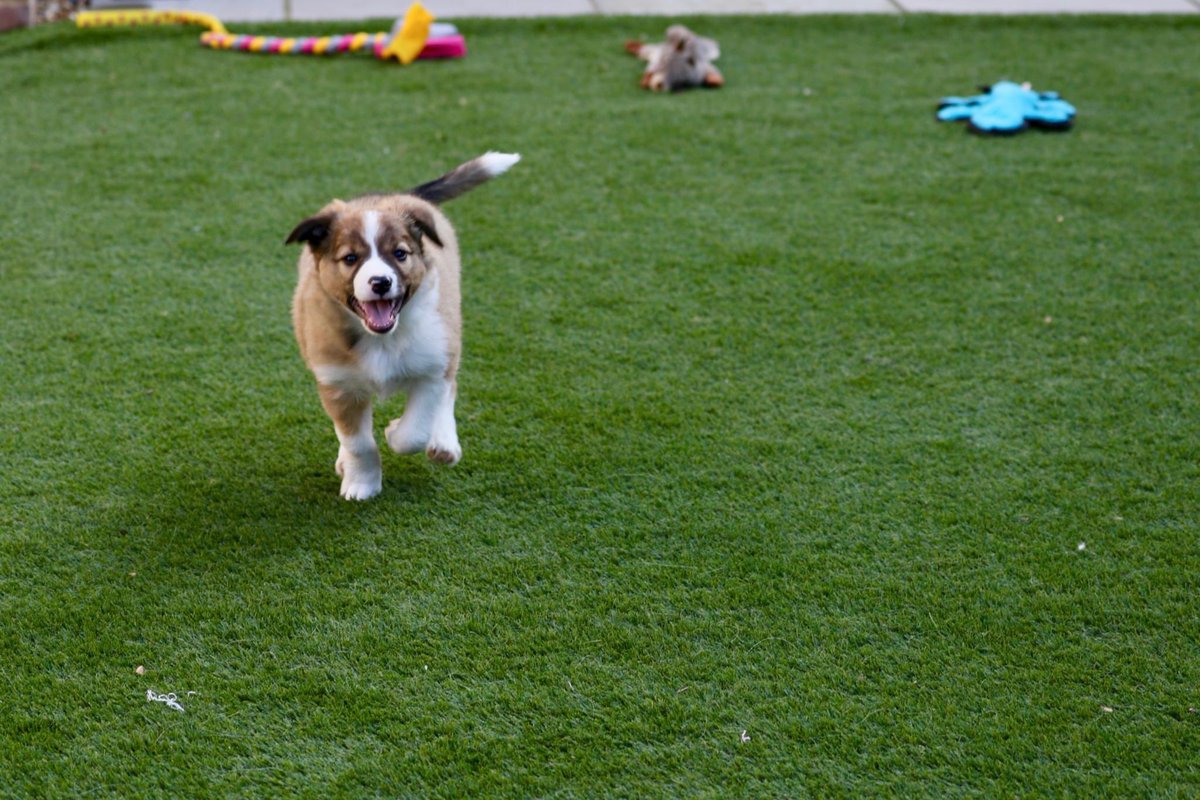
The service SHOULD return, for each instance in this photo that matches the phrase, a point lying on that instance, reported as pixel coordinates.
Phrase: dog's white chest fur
(416, 348)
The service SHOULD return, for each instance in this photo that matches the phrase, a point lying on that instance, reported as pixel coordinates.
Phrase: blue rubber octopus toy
(1008, 108)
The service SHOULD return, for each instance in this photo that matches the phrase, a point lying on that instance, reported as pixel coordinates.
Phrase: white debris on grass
(1081, 546)
(745, 737)
(170, 700)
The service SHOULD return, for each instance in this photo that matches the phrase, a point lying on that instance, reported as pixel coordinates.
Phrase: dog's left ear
(421, 225)
(312, 231)
(315, 230)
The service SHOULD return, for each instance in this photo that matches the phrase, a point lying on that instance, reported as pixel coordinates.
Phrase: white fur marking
(443, 439)
(371, 229)
(417, 348)
(361, 441)
(374, 266)
(358, 461)
(423, 423)
(498, 163)
(427, 423)
(346, 378)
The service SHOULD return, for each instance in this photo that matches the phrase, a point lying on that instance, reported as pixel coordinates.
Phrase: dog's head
(370, 254)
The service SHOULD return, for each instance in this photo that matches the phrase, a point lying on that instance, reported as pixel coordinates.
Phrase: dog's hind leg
(358, 458)
(427, 422)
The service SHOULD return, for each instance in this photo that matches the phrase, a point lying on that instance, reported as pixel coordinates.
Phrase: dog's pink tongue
(379, 313)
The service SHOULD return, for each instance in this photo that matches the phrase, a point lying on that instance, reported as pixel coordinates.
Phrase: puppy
(376, 311)
(684, 60)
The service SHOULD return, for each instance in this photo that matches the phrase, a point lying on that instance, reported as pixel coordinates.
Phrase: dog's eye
(350, 259)
(399, 254)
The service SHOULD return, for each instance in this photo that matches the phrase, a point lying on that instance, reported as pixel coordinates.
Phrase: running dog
(376, 311)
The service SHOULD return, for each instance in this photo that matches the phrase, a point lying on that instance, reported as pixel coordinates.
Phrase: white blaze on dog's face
(369, 258)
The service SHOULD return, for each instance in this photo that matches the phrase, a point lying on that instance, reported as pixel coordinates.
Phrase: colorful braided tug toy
(408, 40)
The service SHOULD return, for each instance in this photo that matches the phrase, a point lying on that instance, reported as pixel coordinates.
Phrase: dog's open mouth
(378, 315)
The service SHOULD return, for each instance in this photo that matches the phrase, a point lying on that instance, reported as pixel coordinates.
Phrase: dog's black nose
(380, 284)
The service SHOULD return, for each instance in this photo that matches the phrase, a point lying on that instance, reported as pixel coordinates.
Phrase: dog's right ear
(421, 226)
(313, 231)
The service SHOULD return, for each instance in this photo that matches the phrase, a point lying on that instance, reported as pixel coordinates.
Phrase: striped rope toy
(405, 43)
(307, 45)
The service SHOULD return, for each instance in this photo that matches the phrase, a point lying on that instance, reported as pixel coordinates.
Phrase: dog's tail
(465, 177)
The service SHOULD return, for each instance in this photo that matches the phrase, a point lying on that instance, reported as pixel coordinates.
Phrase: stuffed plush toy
(684, 60)
(1008, 108)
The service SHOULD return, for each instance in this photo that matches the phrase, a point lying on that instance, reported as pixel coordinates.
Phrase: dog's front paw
(362, 477)
(447, 454)
(361, 487)
(403, 439)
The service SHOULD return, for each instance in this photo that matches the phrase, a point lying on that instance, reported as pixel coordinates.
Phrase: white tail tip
(498, 163)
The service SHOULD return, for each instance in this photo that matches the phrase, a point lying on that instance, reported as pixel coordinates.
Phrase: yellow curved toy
(404, 43)
(112, 19)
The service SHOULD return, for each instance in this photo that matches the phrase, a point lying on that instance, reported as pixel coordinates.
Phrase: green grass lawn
(785, 409)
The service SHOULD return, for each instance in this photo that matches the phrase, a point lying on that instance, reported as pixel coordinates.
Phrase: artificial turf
(812, 447)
